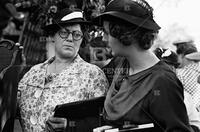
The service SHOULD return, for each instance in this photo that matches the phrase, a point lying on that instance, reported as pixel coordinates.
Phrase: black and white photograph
(99, 66)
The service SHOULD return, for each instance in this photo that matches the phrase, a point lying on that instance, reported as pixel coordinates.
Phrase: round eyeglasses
(76, 35)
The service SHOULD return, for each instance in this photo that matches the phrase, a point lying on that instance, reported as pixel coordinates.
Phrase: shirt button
(33, 120)
(38, 93)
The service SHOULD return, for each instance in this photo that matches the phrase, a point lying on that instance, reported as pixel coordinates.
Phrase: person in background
(189, 69)
(146, 90)
(111, 68)
(62, 79)
(168, 56)
(8, 10)
(171, 58)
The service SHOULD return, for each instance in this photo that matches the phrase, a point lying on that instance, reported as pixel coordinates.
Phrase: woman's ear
(51, 39)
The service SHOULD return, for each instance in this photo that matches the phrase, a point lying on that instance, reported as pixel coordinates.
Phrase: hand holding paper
(54, 124)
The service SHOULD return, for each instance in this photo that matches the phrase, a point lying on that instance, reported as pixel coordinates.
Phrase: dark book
(80, 109)
(82, 115)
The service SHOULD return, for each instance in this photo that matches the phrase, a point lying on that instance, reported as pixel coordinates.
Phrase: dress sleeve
(23, 82)
(98, 82)
(167, 105)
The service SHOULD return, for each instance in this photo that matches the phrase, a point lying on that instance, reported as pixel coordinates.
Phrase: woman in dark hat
(62, 79)
(146, 90)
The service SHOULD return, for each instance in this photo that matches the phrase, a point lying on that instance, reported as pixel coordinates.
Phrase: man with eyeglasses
(65, 78)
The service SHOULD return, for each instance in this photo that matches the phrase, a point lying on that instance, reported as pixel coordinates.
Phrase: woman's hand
(102, 128)
(56, 124)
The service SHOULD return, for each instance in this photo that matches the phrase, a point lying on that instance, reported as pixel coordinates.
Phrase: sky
(179, 20)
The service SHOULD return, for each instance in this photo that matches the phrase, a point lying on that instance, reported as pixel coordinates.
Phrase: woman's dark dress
(154, 95)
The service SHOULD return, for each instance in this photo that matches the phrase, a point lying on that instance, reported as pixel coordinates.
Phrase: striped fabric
(188, 75)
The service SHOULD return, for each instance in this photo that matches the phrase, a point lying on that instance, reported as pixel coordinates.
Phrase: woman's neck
(59, 64)
(62, 61)
(141, 61)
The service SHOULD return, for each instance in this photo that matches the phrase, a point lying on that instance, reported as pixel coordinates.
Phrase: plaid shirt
(188, 75)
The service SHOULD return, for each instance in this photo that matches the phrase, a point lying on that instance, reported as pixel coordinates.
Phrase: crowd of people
(140, 85)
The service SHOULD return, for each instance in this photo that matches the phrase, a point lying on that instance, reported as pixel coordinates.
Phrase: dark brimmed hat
(137, 12)
(188, 49)
(185, 47)
(65, 17)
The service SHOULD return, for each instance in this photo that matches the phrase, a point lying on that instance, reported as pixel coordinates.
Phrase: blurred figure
(110, 68)
(189, 69)
(7, 10)
(171, 58)
(193, 114)
(168, 56)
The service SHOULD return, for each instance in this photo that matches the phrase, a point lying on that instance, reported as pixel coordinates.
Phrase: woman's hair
(126, 32)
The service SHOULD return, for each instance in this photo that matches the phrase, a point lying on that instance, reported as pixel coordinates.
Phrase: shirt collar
(77, 60)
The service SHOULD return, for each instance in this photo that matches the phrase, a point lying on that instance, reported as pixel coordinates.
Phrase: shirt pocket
(30, 94)
(32, 90)
(59, 90)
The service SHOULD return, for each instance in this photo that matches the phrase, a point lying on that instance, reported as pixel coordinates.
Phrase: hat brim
(193, 56)
(65, 23)
(145, 23)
